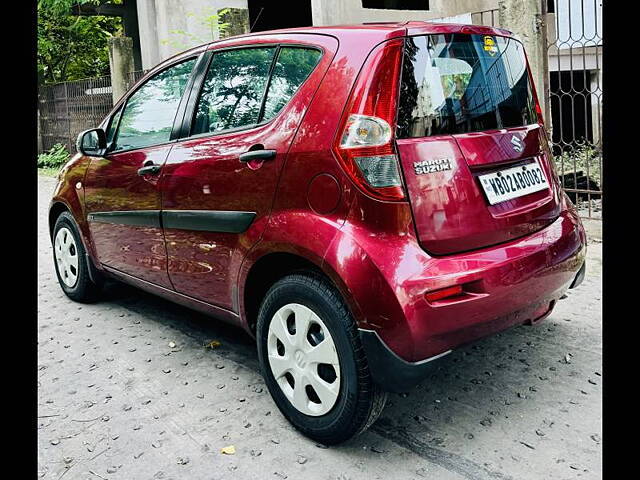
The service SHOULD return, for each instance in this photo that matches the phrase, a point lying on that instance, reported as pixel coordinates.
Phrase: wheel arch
(56, 209)
(271, 266)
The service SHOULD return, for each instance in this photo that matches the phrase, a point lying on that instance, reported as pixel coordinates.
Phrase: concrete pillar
(121, 65)
(237, 20)
(149, 43)
(526, 18)
(319, 13)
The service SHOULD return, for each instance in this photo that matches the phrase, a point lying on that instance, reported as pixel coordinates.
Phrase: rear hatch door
(475, 159)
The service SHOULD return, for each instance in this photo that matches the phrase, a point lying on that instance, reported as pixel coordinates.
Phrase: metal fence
(575, 94)
(65, 109)
(485, 17)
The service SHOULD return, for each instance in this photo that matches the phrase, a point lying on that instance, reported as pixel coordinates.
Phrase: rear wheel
(71, 262)
(313, 362)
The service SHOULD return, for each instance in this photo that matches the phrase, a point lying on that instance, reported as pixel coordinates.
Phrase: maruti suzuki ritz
(361, 199)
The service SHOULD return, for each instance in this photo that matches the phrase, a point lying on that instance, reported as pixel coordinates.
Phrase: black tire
(360, 401)
(84, 290)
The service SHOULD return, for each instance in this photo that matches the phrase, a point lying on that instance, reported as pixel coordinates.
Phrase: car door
(219, 181)
(122, 197)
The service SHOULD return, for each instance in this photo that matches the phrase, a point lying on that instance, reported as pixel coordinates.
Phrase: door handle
(257, 155)
(149, 168)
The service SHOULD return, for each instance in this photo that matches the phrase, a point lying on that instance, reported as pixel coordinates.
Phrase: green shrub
(54, 158)
(580, 158)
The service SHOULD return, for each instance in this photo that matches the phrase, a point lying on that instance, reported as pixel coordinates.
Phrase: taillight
(539, 113)
(364, 143)
(548, 154)
(534, 92)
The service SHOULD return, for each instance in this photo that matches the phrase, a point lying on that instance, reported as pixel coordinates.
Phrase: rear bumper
(388, 369)
(579, 276)
(506, 285)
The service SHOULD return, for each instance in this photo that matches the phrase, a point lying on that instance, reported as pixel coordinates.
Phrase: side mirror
(92, 143)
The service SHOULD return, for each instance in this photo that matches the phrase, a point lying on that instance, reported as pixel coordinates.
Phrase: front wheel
(313, 362)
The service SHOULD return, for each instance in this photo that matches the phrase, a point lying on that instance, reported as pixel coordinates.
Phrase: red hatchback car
(361, 199)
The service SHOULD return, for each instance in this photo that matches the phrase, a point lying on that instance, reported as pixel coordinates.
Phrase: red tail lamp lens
(364, 143)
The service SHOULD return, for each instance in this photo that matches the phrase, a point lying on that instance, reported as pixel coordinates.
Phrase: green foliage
(54, 158)
(455, 84)
(583, 158)
(62, 7)
(72, 47)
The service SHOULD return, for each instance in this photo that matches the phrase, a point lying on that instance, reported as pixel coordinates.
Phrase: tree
(72, 47)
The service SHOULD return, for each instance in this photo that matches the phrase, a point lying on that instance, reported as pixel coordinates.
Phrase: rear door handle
(257, 155)
(149, 169)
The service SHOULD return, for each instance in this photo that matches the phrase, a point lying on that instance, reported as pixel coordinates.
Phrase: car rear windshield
(458, 83)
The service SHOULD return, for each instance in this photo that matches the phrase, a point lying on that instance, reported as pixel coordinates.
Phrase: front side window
(293, 66)
(459, 83)
(148, 116)
(113, 124)
(232, 92)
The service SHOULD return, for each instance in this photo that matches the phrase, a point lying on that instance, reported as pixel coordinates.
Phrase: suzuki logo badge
(517, 144)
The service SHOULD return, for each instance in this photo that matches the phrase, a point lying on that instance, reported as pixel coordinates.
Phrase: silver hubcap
(303, 359)
(66, 256)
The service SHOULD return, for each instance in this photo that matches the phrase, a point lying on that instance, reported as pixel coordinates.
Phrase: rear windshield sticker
(490, 45)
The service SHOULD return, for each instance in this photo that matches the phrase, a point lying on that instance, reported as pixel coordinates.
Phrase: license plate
(513, 182)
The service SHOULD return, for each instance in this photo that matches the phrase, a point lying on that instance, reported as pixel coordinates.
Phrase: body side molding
(142, 218)
(223, 221)
(208, 220)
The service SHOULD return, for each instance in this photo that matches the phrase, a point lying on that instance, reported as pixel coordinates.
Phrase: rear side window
(459, 83)
(147, 118)
(232, 93)
(292, 68)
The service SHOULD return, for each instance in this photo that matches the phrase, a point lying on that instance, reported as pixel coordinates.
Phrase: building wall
(336, 12)
(161, 20)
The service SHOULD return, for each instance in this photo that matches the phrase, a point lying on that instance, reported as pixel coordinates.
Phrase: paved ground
(128, 391)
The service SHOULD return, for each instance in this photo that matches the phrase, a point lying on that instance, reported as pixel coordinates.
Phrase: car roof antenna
(256, 20)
